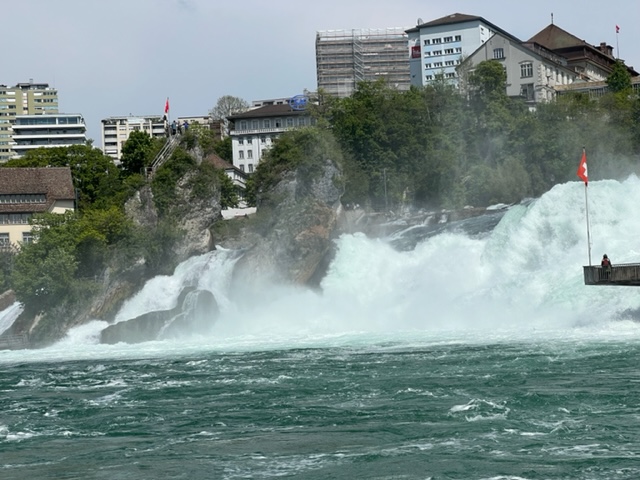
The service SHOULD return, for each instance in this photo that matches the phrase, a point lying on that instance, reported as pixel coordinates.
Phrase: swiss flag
(582, 169)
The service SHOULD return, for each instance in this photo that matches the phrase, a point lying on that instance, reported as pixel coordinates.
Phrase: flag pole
(586, 207)
(584, 176)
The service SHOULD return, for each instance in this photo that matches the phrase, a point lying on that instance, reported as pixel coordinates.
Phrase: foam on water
(521, 282)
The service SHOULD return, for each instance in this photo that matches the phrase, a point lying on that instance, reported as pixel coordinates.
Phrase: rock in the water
(196, 312)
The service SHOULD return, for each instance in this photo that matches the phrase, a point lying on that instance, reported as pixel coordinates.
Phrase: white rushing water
(523, 281)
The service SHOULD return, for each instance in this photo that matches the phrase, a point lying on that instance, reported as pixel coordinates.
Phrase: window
(498, 53)
(242, 167)
(241, 154)
(427, 65)
(427, 42)
(526, 70)
(527, 91)
(437, 64)
(266, 123)
(427, 54)
(289, 122)
(243, 125)
(278, 123)
(458, 38)
(449, 63)
(437, 41)
(4, 240)
(27, 237)
(447, 39)
(450, 75)
(251, 168)
(428, 77)
(437, 52)
(241, 141)
(250, 154)
(448, 51)
(249, 140)
(458, 49)
(255, 124)
(263, 139)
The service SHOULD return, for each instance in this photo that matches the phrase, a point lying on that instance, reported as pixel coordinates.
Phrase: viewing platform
(624, 274)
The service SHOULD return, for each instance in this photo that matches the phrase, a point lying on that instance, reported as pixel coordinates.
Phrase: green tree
(224, 149)
(619, 80)
(136, 152)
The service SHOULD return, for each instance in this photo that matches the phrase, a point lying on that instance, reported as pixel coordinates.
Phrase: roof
(54, 182)
(268, 111)
(217, 161)
(458, 18)
(555, 38)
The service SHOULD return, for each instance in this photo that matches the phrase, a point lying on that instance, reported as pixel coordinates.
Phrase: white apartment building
(116, 131)
(22, 99)
(52, 130)
(254, 131)
(436, 48)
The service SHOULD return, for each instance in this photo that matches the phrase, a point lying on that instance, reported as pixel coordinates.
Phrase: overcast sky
(121, 57)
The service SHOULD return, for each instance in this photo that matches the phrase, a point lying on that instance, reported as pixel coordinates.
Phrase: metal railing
(624, 274)
(163, 155)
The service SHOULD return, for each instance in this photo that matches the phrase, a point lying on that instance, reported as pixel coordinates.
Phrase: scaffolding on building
(346, 57)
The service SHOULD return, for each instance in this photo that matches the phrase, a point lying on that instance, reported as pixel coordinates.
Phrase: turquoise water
(472, 356)
(547, 410)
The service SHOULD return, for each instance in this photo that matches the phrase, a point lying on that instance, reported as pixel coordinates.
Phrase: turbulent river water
(471, 356)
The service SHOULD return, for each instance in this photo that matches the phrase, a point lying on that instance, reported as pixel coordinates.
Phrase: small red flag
(166, 106)
(617, 29)
(582, 169)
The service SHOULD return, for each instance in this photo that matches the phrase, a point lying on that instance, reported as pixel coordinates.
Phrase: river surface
(470, 356)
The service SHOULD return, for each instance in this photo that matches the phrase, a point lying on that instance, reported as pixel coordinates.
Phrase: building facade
(254, 131)
(25, 191)
(116, 131)
(590, 62)
(438, 47)
(346, 57)
(53, 130)
(532, 74)
(22, 99)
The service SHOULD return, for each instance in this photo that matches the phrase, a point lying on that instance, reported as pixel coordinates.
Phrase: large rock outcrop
(302, 211)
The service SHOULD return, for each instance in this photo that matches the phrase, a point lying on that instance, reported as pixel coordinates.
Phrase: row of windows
(14, 218)
(437, 41)
(447, 51)
(289, 122)
(446, 75)
(263, 139)
(448, 63)
(250, 167)
(27, 198)
(27, 237)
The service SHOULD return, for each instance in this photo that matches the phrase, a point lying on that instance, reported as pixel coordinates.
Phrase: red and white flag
(582, 169)
(166, 106)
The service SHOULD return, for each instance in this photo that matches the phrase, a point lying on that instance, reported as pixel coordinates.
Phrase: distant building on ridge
(346, 57)
(46, 131)
(116, 131)
(27, 98)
